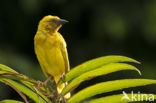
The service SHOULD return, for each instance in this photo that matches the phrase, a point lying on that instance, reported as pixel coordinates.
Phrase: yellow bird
(50, 48)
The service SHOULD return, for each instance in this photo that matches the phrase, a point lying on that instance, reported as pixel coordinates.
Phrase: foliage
(40, 92)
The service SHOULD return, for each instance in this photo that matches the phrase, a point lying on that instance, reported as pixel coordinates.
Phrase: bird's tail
(60, 88)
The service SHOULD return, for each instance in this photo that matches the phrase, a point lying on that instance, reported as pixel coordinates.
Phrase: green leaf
(12, 74)
(16, 76)
(95, 63)
(9, 73)
(24, 90)
(108, 87)
(106, 69)
(6, 68)
(10, 101)
(23, 79)
(2, 72)
(28, 84)
(119, 98)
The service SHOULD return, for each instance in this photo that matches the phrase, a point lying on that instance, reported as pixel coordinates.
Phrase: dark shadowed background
(96, 28)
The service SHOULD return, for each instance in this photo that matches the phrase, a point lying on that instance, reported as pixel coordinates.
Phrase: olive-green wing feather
(65, 56)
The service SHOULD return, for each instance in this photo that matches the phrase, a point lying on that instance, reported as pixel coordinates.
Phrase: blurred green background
(96, 28)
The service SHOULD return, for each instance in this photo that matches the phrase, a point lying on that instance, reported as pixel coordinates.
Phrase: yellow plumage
(50, 48)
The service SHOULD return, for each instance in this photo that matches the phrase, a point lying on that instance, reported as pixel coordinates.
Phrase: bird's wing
(65, 56)
(64, 52)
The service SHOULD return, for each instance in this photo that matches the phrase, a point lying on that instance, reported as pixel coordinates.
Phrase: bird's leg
(63, 99)
(47, 80)
(44, 83)
(63, 78)
(54, 90)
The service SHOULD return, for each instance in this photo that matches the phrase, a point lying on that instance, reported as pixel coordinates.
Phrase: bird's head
(51, 24)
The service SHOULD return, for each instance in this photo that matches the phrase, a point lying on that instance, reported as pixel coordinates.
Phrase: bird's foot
(62, 77)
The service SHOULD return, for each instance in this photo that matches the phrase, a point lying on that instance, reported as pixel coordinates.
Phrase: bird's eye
(52, 20)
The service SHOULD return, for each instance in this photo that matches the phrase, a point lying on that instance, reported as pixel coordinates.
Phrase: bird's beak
(61, 21)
